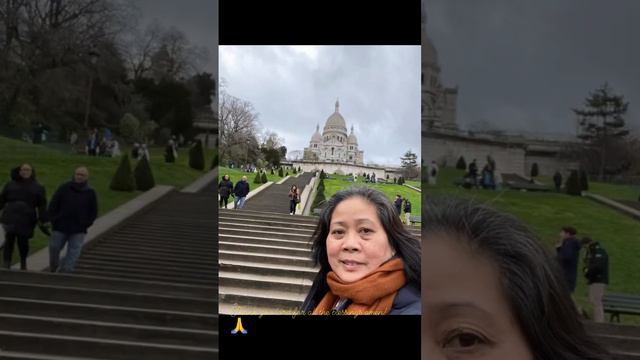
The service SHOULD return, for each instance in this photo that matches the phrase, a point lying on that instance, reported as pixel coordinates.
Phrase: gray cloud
(524, 64)
(198, 19)
(294, 88)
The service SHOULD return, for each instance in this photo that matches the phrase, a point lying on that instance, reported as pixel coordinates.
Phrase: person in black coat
(225, 188)
(24, 202)
(73, 209)
(397, 203)
(596, 270)
(241, 190)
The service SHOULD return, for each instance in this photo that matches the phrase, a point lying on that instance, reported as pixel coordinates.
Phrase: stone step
(264, 258)
(107, 283)
(612, 329)
(265, 282)
(167, 271)
(106, 297)
(280, 227)
(169, 236)
(139, 257)
(147, 253)
(173, 250)
(285, 235)
(620, 355)
(106, 330)
(126, 274)
(248, 301)
(305, 245)
(119, 314)
(167, 264)
(259, 269)
(13, 355)
(108, 349)
(628, 344)
(247, 221)
(264, 249)
(267, 216)
(207, 244)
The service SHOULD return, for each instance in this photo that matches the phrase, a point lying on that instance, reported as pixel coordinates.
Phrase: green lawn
(339, 182)
(614, 192)
(235, 175)
(546, 213)
(413, 183)
(53, 167)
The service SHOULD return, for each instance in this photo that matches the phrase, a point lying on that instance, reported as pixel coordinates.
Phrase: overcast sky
(294, 88)
(524, 64)
(197, 19)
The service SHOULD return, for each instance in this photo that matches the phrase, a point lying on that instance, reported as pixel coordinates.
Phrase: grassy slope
(545, 213)
(235, 175)
(339, 182)
(53, 167)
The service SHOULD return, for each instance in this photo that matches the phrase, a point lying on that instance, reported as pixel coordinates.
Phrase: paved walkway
(275, 198)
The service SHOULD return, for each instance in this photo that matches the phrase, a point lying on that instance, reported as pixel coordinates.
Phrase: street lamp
(93, 58)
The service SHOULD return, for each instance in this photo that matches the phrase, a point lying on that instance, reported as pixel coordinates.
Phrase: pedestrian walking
(557, 180)
(407, 211)
(568, 250)
(240, 192)
(294, 199)
(397, 203)
(596, 270)
(73, 209)
(24, 204)
(225, 189)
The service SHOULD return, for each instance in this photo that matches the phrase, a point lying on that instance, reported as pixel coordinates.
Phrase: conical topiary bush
(280, 172)
(264, 178)
(584, 181)
(144, 175)
(257, 179)
(123, 179)
(573, 184)
(196, 156)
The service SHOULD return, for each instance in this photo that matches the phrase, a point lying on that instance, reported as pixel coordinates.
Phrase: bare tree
(238, 123)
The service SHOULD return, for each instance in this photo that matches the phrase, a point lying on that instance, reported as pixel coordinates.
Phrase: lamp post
(93, 58)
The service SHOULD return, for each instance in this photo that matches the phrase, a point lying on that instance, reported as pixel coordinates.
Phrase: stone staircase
(147, 290)
(265, 261)
(622, 340)
(276, 197)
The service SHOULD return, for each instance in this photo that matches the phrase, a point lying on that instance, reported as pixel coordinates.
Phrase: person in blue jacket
(568, 254)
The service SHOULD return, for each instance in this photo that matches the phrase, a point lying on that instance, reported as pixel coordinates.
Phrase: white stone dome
(336, 122)
(316, 137)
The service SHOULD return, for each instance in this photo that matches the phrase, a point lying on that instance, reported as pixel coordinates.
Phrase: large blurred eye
(462, 339)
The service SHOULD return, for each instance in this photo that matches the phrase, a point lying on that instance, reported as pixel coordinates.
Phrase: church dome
(352, 139)
(336, 121)
(429, 52)
(316, 137)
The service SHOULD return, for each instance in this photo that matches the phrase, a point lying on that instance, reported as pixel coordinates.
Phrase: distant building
(334, 145)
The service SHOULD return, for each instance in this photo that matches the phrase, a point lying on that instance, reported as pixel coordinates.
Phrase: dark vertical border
(329, 22)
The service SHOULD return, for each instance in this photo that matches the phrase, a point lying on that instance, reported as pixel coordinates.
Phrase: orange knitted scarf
(371, 295)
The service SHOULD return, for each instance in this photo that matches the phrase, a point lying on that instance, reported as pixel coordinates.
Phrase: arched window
(331, 151)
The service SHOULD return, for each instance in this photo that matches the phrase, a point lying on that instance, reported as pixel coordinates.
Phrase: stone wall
(331, 168)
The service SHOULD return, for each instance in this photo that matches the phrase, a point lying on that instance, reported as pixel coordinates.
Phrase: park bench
(617, 303)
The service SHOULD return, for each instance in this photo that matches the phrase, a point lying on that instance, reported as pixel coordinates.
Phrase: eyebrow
(461, 307)
(360, 220)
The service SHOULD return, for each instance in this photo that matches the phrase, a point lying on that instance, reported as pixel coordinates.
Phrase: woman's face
(357, 243)
(465, 313)
(26, 171)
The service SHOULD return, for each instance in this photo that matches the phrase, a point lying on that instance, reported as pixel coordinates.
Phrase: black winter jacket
(225, 188)
(596, 264)
(241, 189)
(24, 202)
(73, 208)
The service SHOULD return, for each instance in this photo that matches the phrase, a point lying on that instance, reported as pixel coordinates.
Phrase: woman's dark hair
(292, 186)
(531, 279)
(406, 246)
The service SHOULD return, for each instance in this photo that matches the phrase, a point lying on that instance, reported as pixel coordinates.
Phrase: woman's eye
(366, 230)
(464, 340)
(337, 232)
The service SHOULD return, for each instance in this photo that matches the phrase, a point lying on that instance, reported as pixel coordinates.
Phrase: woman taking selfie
(369, 263)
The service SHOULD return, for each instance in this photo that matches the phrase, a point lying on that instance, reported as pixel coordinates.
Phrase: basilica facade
(334, 145)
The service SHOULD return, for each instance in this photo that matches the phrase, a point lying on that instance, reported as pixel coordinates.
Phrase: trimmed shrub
(295, 171)
(573, 184)
(287, 174)
(280, 172)
(534, 170)
(257, 179)
(401, 180)
(322, 175)
(144, 175)
(584, 181)
(196, 156)
(123, 179)
(263, 178)
(272, 173)
(461, 164)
